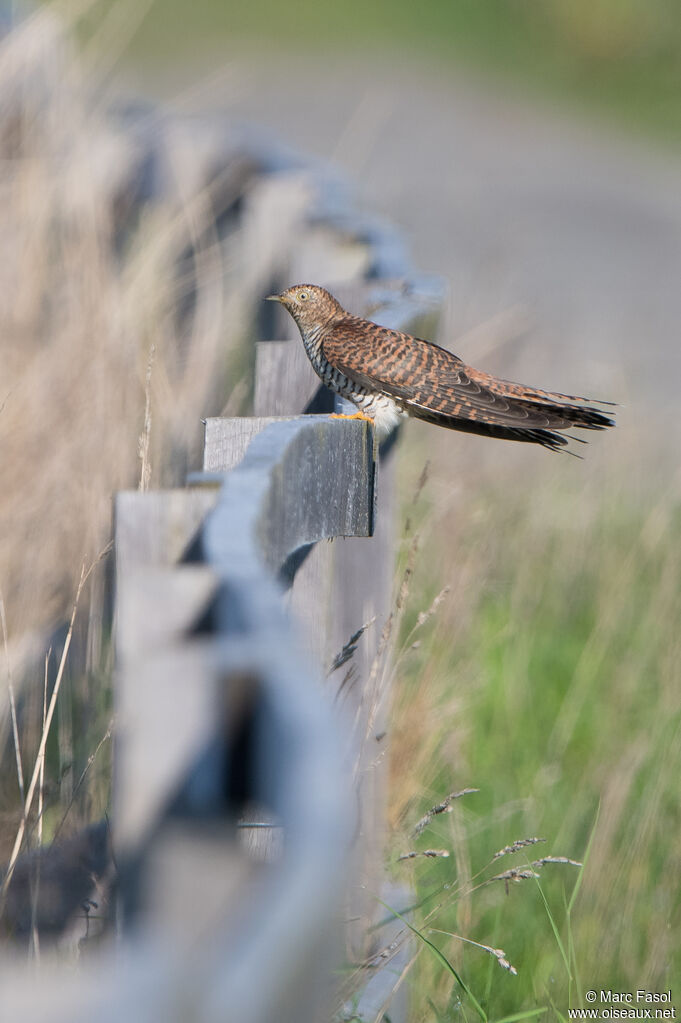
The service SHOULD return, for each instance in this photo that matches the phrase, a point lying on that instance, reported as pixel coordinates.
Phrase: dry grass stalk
(380, 666)
(90, 761)
(422, 480)
(520, 843)
(498, 953)
(12, 706)
(145, 436)
(39, 762)
(349, 648)
(126, 304)
(556, 859)
(35, 881)
(427, 853)
(443, 807)
(516, 874)
(424, 616)
(92, 280)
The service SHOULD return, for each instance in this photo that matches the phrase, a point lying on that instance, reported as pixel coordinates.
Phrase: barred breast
(384, 410)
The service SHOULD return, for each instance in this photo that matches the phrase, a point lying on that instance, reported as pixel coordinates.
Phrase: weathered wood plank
(328, 462)
(164, 712)
(155, 606)
(226, 439)
(157, 602)
(339, 587)
(157, 527)
(285, 382)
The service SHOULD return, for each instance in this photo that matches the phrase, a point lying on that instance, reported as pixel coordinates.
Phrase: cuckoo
(389, 375)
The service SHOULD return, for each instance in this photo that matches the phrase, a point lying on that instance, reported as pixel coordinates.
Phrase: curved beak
(273, 298)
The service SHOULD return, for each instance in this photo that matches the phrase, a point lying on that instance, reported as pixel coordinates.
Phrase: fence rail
(249, 788)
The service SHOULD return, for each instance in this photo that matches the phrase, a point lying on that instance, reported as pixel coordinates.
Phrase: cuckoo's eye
(303, 296)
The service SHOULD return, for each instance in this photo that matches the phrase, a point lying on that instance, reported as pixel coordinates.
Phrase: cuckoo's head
(309, 305)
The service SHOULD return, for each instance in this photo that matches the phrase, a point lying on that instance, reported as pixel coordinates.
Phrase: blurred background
(529, 155)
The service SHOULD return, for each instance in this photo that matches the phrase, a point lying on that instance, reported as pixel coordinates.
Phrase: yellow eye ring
(303, 296)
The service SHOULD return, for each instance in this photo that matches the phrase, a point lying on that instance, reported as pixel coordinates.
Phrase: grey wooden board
(322, 487)
(243, 919)
(285, 381)
(197, 877)
(226, 440)
(329, 462)
(305, 762)
(155, 605)
(340, 587)
(156, 527)
(154, 703)
(165, 709)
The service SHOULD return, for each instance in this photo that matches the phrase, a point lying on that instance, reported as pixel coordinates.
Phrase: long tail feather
(547, 438)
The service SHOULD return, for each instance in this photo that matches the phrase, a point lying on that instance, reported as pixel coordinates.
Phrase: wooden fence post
(218, 707)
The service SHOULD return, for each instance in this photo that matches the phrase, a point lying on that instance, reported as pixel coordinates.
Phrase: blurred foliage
(622, 56)
(127, 300)
(549, 678)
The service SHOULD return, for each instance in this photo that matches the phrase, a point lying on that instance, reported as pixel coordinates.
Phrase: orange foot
(355, 415)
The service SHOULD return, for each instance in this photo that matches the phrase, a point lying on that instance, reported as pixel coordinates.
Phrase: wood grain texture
(226, 440)
(157, 527)
(285, 382)
(310, 478)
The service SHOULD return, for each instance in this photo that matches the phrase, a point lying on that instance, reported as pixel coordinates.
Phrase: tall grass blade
(442, 959)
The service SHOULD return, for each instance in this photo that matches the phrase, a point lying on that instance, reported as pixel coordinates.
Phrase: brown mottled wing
(435, 385)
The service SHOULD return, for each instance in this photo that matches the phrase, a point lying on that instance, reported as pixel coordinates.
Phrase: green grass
(549, 679)
(622, 57)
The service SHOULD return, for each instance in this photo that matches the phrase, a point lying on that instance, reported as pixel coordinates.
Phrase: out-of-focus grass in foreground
(124, 316)
(549, 677)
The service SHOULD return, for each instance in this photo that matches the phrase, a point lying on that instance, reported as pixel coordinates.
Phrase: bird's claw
(354, 415)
